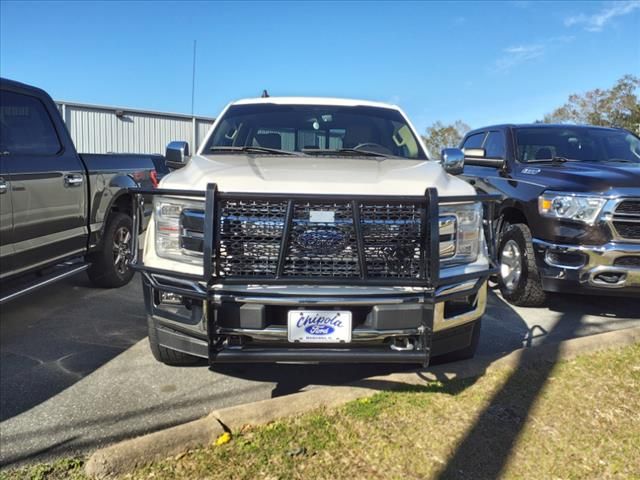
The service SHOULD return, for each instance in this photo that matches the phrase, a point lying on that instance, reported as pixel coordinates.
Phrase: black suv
(570, 215)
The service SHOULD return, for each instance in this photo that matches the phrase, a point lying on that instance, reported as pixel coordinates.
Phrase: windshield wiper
(552, 160)
(342, 151)
(251, 149)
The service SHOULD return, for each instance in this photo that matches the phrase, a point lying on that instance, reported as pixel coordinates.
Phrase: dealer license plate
(319, 326)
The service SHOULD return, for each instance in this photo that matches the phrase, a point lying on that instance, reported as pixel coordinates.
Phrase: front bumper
(612, 268)
(236, 327)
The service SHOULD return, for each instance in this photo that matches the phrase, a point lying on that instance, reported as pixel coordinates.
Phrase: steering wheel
(373, 147)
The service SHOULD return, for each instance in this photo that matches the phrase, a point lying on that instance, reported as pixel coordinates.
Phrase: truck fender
(511, 211)
(114, 196)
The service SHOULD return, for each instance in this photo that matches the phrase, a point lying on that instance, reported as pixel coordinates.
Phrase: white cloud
(597, 21)
(518, 54)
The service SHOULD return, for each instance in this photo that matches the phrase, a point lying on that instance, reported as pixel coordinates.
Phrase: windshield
(314, 129)
(577, 143)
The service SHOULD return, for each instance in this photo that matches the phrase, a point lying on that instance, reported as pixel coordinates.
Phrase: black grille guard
(212, 288)
(430, 279)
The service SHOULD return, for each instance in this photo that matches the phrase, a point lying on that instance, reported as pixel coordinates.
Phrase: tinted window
(316, 127)
(474, 141)
(25, 126)
(495, 145)
(577, 143)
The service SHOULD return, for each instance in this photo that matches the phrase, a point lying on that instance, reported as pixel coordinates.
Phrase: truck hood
(317, 175)
(596, 177)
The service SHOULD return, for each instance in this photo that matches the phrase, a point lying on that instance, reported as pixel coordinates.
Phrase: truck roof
(8, 83)
(346, 102)
(539, 125)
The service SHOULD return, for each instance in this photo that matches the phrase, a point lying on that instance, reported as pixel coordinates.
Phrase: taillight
(153, 175)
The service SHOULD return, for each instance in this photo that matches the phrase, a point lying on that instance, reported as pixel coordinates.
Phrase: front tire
(519, 279)
(465, 353)
(166, 355)
(110, 265)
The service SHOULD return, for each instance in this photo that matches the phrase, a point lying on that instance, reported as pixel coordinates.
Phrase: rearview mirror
(452, 160)
(177, 155)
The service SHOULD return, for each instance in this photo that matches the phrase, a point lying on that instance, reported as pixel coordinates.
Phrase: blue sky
(481, 62)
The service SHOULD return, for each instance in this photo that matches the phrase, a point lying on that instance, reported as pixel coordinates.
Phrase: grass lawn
(572, 420)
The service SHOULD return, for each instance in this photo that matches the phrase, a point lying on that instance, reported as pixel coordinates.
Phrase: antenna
(265, 94)
(193, 78)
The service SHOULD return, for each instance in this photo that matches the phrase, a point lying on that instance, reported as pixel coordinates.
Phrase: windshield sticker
(531, 171)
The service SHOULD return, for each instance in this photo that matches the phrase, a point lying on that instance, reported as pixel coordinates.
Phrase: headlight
(179, 229)
(459, 227)
(581, 208)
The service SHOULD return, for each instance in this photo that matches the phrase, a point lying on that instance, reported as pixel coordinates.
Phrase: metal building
(103, 129)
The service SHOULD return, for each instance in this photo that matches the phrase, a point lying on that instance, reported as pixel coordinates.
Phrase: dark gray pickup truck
(61, 212)
(569, 218)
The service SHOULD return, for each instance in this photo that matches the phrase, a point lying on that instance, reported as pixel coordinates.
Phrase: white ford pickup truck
(314, 230)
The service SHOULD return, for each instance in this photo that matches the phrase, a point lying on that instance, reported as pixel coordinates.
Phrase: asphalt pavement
(76, 372)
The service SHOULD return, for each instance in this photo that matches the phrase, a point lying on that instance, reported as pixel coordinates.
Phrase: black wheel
(519, 279)
(110, 265)
(166, 355)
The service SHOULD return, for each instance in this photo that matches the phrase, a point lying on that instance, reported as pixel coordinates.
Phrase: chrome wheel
(510, 264)
(121, 249)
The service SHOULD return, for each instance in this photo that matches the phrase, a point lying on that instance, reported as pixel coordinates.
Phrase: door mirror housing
(475, 152)
(452, 160)
(177, 155)
(478, 156)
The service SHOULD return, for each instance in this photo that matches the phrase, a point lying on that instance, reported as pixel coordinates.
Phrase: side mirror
(452, 160)
(177, 155)
(478, 156)
(475, 152)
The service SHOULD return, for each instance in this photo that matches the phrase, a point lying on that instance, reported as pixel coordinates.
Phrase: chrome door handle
(3, 186)
(73, 180)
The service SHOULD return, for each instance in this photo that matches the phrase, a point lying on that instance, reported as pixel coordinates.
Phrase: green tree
(439, 136)
(616, 107)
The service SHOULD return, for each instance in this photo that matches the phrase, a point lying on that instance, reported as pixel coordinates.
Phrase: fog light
(170, 298)
(561, 259)
(234, 341)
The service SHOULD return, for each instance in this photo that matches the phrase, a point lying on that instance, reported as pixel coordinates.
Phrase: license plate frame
(319, 326)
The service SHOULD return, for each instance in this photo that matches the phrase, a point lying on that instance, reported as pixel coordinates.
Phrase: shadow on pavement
(488, 445)
(576, 306)
(292, 378)
(48, 344)
(564, 317)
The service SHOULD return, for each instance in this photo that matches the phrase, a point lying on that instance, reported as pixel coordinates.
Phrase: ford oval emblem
(319, 329)
(321, 241)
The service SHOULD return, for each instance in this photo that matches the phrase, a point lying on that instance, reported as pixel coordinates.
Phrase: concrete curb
(124, 456)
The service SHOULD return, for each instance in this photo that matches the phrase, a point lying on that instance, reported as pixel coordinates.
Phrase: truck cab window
(25, 126)
(495, 144)
(577, 144)
(474, 141)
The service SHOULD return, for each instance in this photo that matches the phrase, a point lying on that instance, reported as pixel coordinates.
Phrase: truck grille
(626, 219)
(321, 239)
